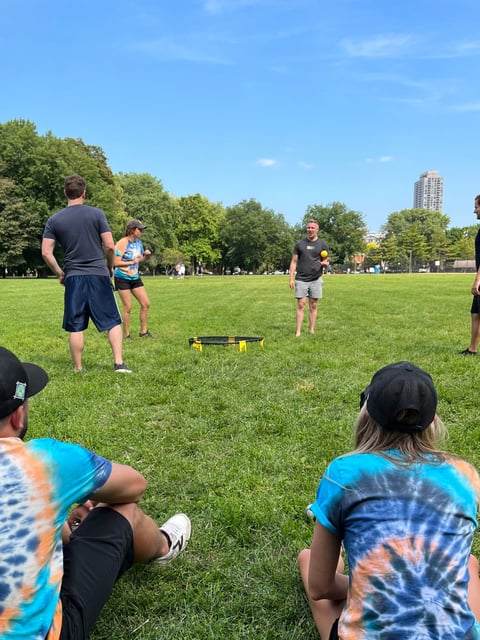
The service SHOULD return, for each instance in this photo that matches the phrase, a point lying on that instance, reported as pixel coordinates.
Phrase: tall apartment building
(428, 192)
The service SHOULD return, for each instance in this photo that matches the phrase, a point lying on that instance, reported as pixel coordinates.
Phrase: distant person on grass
(50, 590)
(129, 253)
(472, 348)
(405, 513)
(85, 237)
(308, 265)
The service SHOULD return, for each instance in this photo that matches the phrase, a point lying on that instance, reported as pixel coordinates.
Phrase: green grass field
(238, 440)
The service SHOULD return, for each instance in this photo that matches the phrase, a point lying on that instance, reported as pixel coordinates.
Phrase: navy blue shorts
(98, 554)
(90, 297)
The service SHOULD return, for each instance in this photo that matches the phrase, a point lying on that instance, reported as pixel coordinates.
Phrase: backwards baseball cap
(401, 397)
(136, 224)
(18, 381)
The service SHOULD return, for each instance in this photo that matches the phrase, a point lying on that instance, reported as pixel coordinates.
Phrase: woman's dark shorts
(122, 284)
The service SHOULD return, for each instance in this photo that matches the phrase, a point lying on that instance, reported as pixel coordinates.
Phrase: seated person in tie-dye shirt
(58, 570)
(405, 513)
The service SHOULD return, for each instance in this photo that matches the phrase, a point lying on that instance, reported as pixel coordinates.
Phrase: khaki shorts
(312, 289)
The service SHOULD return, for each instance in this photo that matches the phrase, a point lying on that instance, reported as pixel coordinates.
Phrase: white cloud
(468, 106)
(267, 162)
(222, 6)
(306, 165)
(191, 49)
(380, 159)
(381, 46)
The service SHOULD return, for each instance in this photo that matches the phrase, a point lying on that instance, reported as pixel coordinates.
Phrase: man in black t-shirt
(472, 348)
(308, 263)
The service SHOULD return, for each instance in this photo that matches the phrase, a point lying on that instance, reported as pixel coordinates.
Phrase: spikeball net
(224, 341)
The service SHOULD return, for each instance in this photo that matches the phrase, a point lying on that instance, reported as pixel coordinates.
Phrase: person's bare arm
(323, 579)
(109, 246)
(125, 484)
(293, 267)
(48, 246)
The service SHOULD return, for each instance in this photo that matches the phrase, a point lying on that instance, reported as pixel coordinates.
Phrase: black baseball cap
(18, 381)
(136, 224)
(401, 397)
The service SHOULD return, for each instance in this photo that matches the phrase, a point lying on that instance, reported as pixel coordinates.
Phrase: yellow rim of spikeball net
(198, 342)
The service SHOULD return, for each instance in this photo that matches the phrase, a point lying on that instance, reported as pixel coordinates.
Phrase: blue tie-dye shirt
(407, 533)
(40, 481)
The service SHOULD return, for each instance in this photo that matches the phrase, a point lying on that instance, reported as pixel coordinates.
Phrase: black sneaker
(467, 352)
(147, 334)
(122, 368)
(129, 337)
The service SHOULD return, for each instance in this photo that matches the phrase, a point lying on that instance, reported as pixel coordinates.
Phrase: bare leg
(115, 339)
(313, 303)
(475, 333)
(148, 541)
(474, 587)
(126, 299)
(76, 341)
(325, 612)
(140, 294)
(300, 312)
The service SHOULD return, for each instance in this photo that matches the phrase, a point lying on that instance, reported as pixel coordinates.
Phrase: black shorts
(98, 554)
(334, 631)
(122, 284)
(90, 297)
(475, 305)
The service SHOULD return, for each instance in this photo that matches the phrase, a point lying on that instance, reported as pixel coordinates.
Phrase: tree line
(244, 237)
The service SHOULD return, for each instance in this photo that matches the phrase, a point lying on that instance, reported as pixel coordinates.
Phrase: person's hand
(79, 514)
(147, 253)
(292, 283)
(475, 289)
(61, 278)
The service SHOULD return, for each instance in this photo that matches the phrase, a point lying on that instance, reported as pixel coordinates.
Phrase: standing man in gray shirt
(86, 239)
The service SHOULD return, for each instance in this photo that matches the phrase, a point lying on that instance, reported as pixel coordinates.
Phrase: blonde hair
(370, 437)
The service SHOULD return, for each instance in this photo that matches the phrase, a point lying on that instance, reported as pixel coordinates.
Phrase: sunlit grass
(238, 440)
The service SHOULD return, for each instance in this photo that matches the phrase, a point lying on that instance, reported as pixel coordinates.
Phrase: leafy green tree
(431, 225)
(169, 258)
(37, 166)
(280, 241)
(389, 252)
(461, 242)
(414, 246)
(198, 230)
(17, 225)
(145, 199)
(342, 229)
(247, 235)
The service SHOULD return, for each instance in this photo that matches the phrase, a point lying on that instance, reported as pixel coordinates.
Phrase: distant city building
(428, 192)
(372, 236)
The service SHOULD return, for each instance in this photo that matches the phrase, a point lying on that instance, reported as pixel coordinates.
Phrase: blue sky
(290, 102)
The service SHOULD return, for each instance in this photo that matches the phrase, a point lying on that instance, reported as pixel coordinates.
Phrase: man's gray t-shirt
(78, 230)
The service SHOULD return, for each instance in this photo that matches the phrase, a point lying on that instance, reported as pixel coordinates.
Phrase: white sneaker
(309, 515)
(178, 529)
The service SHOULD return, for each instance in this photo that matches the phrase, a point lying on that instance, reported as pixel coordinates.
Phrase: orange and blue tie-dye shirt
(128, 250)
(40, 480)
(407, 533)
